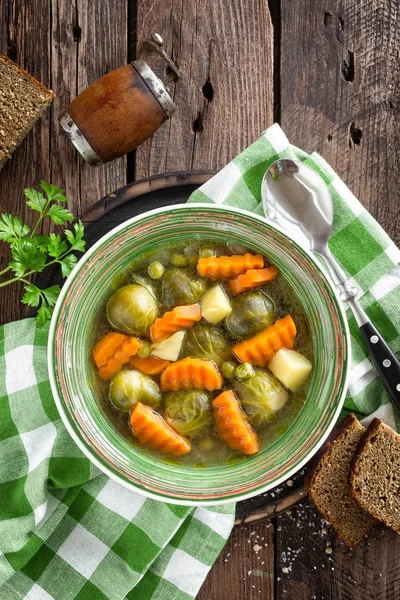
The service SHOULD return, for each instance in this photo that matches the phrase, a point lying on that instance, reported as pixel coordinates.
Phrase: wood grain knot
(355, 135)
(347, 69)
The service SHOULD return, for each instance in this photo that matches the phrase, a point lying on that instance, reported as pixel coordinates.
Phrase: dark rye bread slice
(327, 482)
(375, 474)
(22, 101)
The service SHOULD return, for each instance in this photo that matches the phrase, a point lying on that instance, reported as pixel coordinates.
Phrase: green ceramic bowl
(70, 368)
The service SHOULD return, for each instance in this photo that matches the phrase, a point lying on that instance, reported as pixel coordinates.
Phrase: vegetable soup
(202, 354)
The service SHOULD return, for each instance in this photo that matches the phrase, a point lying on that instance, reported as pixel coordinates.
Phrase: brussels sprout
(251, 313)
(261, 396)
(207, 342)
(129, 387)
(178, 288)
(132, 309)
(146, 283)
(187, 411)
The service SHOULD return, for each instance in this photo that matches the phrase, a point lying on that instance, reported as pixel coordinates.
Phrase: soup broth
(177, 276)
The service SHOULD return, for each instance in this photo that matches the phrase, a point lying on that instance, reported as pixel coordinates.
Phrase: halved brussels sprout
(251, 313)
(178, 288)
(207, 342)
(187, 411)
(129, 387)
(132, 309)
(261, 396)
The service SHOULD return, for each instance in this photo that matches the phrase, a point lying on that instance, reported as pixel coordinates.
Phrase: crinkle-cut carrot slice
(232, 424)
(107, 346)
(152, 431)
(251, 279)
(191, 373)
(117, 356)
(181, 317)
(150, 365)
(226, 267)
(259, 349)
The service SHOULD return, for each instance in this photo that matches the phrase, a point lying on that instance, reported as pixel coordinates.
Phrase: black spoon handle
(385, 361)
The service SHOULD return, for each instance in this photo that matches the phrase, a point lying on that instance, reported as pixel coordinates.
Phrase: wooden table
(329, 72)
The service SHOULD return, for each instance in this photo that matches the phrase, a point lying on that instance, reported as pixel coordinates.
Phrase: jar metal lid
(155, 85)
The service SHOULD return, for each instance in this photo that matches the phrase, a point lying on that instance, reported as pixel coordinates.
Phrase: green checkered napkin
(361, 246)
(66, 530)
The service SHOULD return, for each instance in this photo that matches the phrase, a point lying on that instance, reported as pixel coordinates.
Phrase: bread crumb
(289, 482)
(285, 570)
(329, 550)
(256, 548)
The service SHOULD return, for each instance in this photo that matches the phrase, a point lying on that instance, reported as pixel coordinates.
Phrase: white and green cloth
(69, 532)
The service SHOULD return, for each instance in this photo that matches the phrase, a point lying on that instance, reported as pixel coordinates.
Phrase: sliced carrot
(150, 365)
(181, 317)
(110, 357)
(251, 279)
(107, 346)
(260, 349)
(191, 373)
(232, 424)
(226, 267)
(152, 431)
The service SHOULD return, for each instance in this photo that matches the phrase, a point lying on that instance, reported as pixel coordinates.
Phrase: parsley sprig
(32, 252)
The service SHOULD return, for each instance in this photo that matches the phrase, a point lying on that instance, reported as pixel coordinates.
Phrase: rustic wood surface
(330, 73)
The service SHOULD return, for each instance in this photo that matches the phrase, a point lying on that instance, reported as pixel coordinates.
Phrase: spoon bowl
(293, 194)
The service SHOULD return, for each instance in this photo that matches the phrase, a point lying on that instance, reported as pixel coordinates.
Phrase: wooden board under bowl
(128, 202)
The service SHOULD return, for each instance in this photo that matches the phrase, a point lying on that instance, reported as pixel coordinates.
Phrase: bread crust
(315, 464)
(27, 75)
(373, 428)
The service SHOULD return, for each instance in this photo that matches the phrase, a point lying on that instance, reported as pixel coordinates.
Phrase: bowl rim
(64, 413)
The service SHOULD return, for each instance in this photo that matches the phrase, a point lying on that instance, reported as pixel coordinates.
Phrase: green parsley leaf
(51, 294)
(67, 264)
(53, 192)
(75, 237)
(12, 228)
(36, 200)
(43, 315)
(27, 256)
(41, 241)
(32, 295)
(56, 246)
(59, 215)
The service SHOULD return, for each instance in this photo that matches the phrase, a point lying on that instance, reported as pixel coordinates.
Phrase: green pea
(155, 270)
(205, 252)
(193, 260)
(179, 260)
(244, 371)
(228, 369)
(145, 349)
(198, 287)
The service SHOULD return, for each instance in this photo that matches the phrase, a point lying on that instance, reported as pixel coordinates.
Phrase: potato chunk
(290, 367)
(170, 347)
(215, 305)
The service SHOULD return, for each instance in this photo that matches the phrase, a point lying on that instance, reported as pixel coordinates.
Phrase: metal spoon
(300, 197)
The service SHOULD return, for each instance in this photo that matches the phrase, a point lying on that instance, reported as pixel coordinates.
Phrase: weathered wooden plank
(26, 39)
(66, 47)
(224, 99)
(245, 568)
(340, 76)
